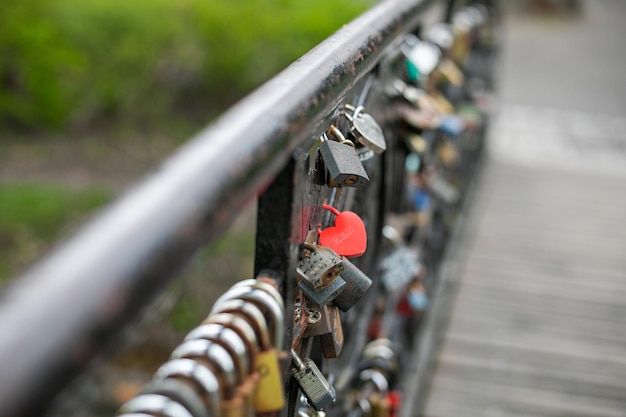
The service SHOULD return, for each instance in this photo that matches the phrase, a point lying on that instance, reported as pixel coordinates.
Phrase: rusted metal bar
(62, 311)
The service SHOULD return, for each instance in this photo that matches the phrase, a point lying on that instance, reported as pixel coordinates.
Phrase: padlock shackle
(274, 310)
(253, 315)
(257, 296)
(197, 373)
(150, 404)
(215, 354)
(263, 286)
(339, 137)
(331, 209)
(295, 358)
(230, 340)
(243, 329)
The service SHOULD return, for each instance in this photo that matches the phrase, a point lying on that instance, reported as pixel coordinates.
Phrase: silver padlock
(365, 128)
(229, 340)
(325, 295)
(153, 404)
(243, 329)
(250, 313)
(215, 357)
(272, 306)
(357, 283)
(178, 391)
(342, 161)
(197, 374)
(317, 390)
(320, 268)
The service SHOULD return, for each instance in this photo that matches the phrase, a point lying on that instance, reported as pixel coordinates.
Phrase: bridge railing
(62, 311)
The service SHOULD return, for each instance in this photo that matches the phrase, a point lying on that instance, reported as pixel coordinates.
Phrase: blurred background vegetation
(93, 94)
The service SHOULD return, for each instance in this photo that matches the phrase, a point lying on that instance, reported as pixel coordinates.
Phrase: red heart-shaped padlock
(347, 237)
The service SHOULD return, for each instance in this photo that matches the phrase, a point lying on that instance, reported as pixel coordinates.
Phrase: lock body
(332, 340)
(343, 164)
(368, 132)
(325, 295)
(357, 283)
(317, 390)
(319, 269)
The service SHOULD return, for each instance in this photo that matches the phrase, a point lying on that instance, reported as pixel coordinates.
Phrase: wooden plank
(571, 268)
(500, 348)
(509, 370)
(493, 397)
(568, 283)
(579, 331)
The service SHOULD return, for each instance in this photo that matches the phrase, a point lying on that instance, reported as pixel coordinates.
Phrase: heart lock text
(347, 237)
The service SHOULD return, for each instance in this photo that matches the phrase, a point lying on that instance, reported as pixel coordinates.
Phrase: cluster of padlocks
(228, 366)
(237, 363)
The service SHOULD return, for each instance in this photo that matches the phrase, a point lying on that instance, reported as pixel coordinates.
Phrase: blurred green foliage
(65, 63)
(32, 215)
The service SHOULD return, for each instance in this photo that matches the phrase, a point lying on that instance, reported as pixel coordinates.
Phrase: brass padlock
(380, 405)
(269, 393)
(343, 165)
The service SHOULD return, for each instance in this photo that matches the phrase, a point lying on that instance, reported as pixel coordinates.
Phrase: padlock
(347, 236)
(325, 295)
(247, 333)
(249, 312)
(269, 392)
(341, 161)
(365, 128)
(320, 268)
(263, 283)
(235, 400)
(379, 404)
(199, 376)
(441, 35)
(375, 378)
(269, 305)
(153, 405)
(422, 58)
(214, 357)
(180, 392)
(451, 72)
(357, 284)
(318, 321)
(243, 329)
(317, 390)
(229, 340)
(332, 341)
(443, 190)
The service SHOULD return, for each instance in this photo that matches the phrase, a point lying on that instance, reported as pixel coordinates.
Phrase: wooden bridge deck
(538, 325)
(536, 296)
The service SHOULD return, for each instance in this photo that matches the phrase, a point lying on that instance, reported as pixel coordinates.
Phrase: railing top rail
(56, 316)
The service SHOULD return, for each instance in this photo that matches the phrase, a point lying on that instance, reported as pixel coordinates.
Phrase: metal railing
(61, 312)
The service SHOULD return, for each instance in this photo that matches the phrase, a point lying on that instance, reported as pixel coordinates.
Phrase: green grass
(65, 63)
(33, 215)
